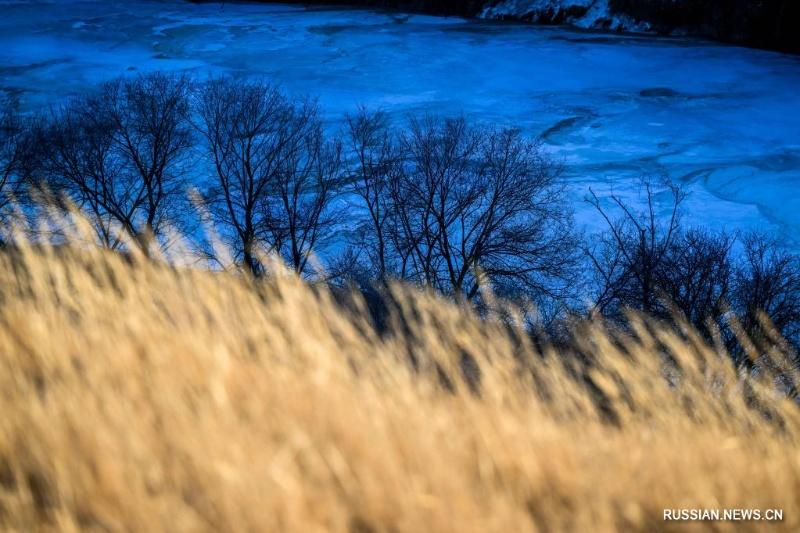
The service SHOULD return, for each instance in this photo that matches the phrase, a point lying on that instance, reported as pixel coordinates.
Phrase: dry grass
(137, 397)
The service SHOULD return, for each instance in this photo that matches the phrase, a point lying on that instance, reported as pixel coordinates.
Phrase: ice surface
(723, 120)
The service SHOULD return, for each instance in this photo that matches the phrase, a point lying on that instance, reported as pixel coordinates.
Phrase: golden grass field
(135, 396)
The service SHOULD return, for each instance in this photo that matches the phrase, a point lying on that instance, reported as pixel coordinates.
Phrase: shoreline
(615, 23)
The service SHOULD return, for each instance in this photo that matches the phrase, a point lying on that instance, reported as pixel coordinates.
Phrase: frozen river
(723, 120)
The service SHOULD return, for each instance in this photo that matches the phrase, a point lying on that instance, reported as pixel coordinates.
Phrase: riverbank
(771, 24)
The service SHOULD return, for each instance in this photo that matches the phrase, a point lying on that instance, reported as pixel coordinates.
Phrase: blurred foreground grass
(135, 396)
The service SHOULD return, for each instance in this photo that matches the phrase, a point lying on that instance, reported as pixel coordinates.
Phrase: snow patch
(588, 14)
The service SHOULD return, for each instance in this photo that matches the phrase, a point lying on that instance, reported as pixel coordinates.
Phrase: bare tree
(473, 201)
(435, 185)
(79, 164)
(299, 211)
(15, 147)
(377, 164)
(630, 257)
(150, 115)
(768, 281)
(119, 155)
(245, 126)
(654, 265)
(696, 277)
(276, 174)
